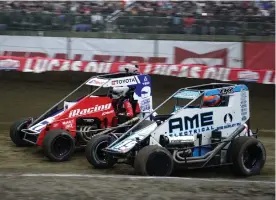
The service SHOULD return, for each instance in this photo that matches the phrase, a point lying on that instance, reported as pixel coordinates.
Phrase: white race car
(192, 136)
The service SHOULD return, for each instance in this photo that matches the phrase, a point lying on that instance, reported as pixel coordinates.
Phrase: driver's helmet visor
(115, 94)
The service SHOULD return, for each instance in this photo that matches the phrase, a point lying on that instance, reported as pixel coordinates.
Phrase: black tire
(17, 135)
(94, 154)
(248, 156)
(154, 160)
(58, 145)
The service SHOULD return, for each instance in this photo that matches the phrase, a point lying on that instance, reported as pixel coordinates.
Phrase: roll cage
(105, 82)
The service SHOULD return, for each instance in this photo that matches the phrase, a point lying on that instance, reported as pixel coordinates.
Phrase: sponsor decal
(243, 105)
(182, 139)
(190, 125)
(86, 111)
(122, 81)
(55, 125)
(187, 94)
(146, 81)
(68, 124)
(38, 127)
(248, 76)
(228, 118)
(244, 118)
(199, 123)
(9, 64)
(145, 92)
(108, 112)
(96, 81)
(145, 104)
(228, 90)
(88, 120)
(228, 126)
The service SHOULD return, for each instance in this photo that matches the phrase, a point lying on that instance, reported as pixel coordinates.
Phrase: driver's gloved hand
(122, 118)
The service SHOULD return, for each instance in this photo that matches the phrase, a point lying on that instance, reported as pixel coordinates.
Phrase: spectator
(97, 18)
(198, 17)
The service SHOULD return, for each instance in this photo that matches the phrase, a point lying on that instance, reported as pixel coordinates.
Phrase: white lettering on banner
(53, 63)
(75, 66)
(190, 71)
(194, 72)
(65, 66)
(96, 67)
(38, 65)
(217, 73)
(147, 69)
(268, 79)
(86, 111)
(184, 71)
(171, 69)
(42, 65)
(28, 65)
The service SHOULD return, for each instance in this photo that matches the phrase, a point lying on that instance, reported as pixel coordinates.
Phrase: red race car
(70, 124)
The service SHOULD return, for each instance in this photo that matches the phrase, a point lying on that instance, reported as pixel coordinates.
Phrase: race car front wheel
(94, 152)
(248, 156)
(17, 135)
(153, 160)
(58, 145)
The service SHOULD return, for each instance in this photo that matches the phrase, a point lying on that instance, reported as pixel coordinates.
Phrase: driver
(122, 105)
(211, 101)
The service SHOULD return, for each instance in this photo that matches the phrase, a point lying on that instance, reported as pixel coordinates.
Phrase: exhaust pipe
(208, 156)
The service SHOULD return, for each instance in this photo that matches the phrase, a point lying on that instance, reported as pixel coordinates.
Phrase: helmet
(118, 92)
(211, 101)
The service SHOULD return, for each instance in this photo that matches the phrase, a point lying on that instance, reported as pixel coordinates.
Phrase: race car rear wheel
(94, 154)
(17, 135)
(58, 145)
(154, 160)
(248, 156)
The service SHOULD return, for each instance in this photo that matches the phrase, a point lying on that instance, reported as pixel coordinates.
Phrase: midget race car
(192, 136)
(70, 124)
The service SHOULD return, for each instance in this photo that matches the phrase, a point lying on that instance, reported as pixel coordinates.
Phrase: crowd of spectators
(210, 8)
(187, 17)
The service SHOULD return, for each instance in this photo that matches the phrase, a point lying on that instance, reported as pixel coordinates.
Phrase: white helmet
(118, 92)
(130, 68)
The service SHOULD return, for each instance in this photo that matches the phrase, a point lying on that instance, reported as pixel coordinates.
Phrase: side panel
(193, 121)
(143, 93)
(128, 143)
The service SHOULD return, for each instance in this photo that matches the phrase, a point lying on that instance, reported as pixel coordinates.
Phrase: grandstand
(254, 18)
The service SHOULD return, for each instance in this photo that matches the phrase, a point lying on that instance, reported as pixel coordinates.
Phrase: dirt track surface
(24, 95)
(64, 188)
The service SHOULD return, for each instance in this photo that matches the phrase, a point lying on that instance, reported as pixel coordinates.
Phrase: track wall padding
(159, 82)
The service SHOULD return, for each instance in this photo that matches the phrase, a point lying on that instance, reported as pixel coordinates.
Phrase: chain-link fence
(237, 26)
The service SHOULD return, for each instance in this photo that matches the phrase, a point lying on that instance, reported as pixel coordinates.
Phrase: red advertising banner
(39, 65)
(259, 55)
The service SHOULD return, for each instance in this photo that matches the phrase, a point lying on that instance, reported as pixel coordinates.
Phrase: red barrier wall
(259, 55)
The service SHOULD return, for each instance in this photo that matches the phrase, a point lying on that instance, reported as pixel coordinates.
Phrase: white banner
(226, 54)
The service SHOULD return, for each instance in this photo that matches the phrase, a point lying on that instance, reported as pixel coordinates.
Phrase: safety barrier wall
(224, 61)
(39, 65)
